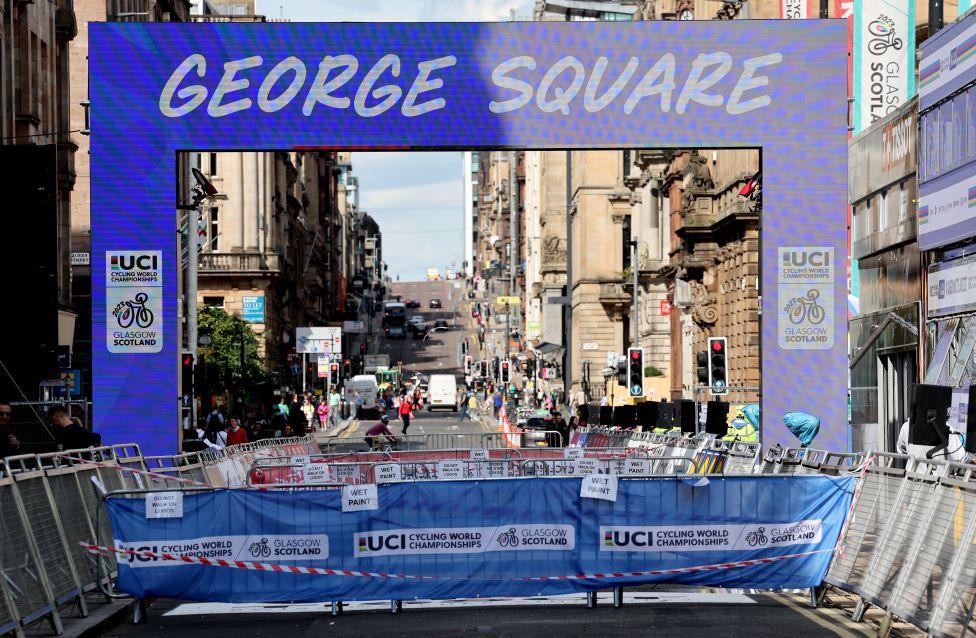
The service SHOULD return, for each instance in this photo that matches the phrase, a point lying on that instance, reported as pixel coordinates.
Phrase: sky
(416, 198)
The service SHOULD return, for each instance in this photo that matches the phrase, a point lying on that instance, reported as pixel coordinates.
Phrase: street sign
(319, 339)
(354, 327)
(323, 366)
(591, 345)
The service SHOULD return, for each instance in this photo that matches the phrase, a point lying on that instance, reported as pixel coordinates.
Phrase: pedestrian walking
(497, 401)
(462, 403)
(406, 409)
(322, 411)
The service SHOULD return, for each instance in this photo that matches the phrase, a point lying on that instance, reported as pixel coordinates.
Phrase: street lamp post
(508, 331)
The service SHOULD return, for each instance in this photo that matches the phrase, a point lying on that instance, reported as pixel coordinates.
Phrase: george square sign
(159, 88)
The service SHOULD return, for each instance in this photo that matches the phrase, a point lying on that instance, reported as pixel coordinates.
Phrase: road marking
(829, 618)
(630, 598)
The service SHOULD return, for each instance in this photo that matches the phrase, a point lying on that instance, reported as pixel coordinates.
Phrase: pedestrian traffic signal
(484, 369)
(701, 359)
(635, 371)
(717, 375)
(505, 372)
(186, 371)
(333, 372)
(468, 363)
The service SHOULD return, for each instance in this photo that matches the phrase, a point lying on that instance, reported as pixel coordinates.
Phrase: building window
(213, 302)
(884, 214)
(213, 164)
(214, 228)
(902, 203)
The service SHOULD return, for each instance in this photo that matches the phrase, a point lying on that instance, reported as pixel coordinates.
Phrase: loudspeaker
(684, 413)
(606, 415)
(647, 413)
(971, 421)
(624, 416)
(665, 415)
(717, 418)
(930, 416)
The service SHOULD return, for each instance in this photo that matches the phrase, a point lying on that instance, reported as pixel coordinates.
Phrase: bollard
(336, 607)
(618, 597)
(396, 606)
(591, 600)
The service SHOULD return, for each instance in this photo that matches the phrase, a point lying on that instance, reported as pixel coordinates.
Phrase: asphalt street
(439, 353)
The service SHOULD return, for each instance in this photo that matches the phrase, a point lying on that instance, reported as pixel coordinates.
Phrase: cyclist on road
(380, 431)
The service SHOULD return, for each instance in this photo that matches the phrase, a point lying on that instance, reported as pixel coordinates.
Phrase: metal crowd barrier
(446, 441)
(50, 502)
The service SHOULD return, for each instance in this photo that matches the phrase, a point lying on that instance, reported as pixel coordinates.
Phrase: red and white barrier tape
(849, 519)
(248, 565)
(133, 470)
(321, 571)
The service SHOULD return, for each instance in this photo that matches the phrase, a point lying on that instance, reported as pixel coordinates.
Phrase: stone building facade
(713, 274)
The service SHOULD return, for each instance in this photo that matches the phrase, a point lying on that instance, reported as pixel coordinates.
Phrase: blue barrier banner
(464, 539)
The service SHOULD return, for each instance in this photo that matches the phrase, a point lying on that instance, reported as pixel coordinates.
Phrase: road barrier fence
(50, 502)
(907, 547)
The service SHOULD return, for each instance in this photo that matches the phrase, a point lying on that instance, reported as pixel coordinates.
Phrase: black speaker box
(717, 418)
(930, 415)
(684, 412)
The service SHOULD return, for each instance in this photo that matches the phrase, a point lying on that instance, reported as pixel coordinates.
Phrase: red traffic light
(635, 354)
(717, 345)
(188, 360)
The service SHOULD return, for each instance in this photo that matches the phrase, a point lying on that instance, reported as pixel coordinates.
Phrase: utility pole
(633, 314)
(508, 330)
(513, 220)
(568, 298)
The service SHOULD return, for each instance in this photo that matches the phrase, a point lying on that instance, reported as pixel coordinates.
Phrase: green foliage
(651, 371)
(224, 350)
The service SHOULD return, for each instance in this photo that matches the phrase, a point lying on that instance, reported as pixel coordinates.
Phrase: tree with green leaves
(229, 335)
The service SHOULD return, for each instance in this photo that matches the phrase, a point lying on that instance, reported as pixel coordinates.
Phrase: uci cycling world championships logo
(134, 301)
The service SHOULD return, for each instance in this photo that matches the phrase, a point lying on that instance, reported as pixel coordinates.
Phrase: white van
(365, 384)
(442, 391)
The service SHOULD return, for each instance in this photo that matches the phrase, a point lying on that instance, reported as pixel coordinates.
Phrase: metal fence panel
(879, 491)
(75, 521)
(907, 517)
(32, 489)
(935, 548)
(22, 570)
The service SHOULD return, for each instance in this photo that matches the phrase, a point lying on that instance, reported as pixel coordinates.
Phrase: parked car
(435, 302)
(440, 323)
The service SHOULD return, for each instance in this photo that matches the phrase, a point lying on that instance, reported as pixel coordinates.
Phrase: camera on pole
(635, 371)
(717, 375)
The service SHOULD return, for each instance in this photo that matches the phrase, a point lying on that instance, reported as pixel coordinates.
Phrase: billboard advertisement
(884, 68)
(775, 84)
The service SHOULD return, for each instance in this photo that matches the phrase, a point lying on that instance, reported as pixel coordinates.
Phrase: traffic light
(701, 359)
(334, 372)
(484, 369)
(468, 363)
(494, 367)
(186, 371)
(621, 371)
(635, 371)
(505, 372)
(717, 376)
(362, 348)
